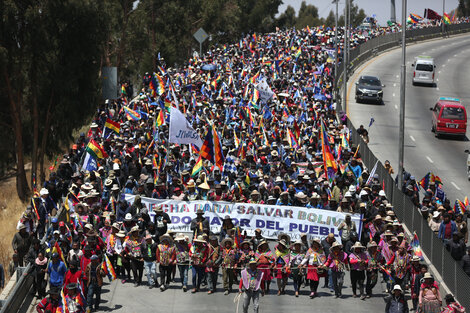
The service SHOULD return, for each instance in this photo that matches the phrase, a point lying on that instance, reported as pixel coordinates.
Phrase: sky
(381, 8)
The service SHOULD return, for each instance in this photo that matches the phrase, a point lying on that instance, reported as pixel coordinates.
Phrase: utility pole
(336, 51)
(401, 145)
(442, 19)
(393, 17)
(346, 54)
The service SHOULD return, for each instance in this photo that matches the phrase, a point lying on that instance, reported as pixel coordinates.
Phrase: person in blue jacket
(56, 270)
(447, 228)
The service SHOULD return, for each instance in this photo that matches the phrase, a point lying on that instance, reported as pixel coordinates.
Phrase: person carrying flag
(73, 299)
(94, 276)
(50, 303)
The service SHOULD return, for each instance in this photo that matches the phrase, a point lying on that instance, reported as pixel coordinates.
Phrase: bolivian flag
(160, 119)
(113, 126)
(197, 167)
(96, 150)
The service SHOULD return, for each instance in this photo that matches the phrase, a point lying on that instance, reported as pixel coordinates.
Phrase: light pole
(401, 145)
(346, 54)
(336, 51)
(442, 19)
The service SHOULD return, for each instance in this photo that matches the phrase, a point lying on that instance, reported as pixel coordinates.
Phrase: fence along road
(450, 271)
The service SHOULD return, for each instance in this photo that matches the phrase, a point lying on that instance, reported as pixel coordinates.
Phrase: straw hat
(225, 241)
(428, 276)
(371, 244)
(199, 239)
(283, 243)
(336, 245)
(166, 237)
(121, 234)
(356, 245)
(179, 237)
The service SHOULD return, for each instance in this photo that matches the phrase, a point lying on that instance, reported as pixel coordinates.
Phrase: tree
(308, 15)
(330, 19)
(287, 19)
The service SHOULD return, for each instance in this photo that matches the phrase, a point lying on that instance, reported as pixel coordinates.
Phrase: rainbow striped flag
(131, 114)
(160, 85)
(111, 272)
(237, 141)
(123, 90)
(298, 53)
(414, 18)
(416, 246)
(238, 237)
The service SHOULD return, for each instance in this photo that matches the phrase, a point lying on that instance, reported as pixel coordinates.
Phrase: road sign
(201, 35)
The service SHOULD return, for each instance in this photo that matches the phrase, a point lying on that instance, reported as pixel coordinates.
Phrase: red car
(449, 117)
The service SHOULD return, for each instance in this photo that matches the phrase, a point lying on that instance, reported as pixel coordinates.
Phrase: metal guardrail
(450, 270)
(17, 297)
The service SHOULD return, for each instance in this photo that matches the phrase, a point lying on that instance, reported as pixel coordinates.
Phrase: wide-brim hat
(91, 233)
(199, 239)
(54, 291)
(279, 237)
(116, 225)
(427, 276)
(263, 242)
(204, 186)
(245, 241)
(415, 258)
(283, 243)
(115, 187)
(179, 237)
(317, 241)
(166, 237)
(357, 245)
(297, 242)
(225, 241)
(134, 228)
(253, 261)
(121, 234)
(200, 211)
(336, 245)
(371, 244)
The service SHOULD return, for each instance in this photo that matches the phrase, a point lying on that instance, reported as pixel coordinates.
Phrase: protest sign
(271, 219)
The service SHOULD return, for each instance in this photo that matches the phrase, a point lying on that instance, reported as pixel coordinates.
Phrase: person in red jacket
(50, 303)
(73, 275)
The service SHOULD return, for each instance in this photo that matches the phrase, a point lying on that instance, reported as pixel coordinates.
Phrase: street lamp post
(442, 19)
(401, 145)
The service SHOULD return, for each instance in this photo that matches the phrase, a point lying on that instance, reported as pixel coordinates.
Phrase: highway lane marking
(437, 88)
(394, 84)
(439, 72)
(398, 76)
(443, 65)
(396, 107)
(437, 79)
(393, 94)
(456, 187)
(357, 74)
(412, 138)
(429, 159)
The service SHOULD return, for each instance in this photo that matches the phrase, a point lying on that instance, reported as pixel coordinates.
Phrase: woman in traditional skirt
(282, 266)
(429, 296)
(296, 258)
(265, 262)
(312, 260)
(375, 261)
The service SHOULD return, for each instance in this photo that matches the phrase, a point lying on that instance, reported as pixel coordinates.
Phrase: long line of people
(272, 151)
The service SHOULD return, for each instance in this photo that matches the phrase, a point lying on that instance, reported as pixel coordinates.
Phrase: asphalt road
(443, 156)
(118, 297)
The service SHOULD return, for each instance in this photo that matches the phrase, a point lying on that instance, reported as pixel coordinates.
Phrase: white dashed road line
(455, 185)
(412, 138)
(393, 94)
(429, 159)
(396, 107)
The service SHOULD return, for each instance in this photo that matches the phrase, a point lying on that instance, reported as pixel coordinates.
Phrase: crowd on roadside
(287, 150)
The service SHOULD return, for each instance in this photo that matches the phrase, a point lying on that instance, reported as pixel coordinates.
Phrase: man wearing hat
(161, 221)
(94, 275)
(149, 253)
(198, 255)
(133, 252)
(212, 265)
(21, 243)
(358, 260)
(73, 299)
(200, 224)
(375, 259)
(229, 255)
(337, 262)
(182, 259)
(452, 305)
(396, 302)
(227, 225)
(166, 256)
(50, 303)
(251, 284)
